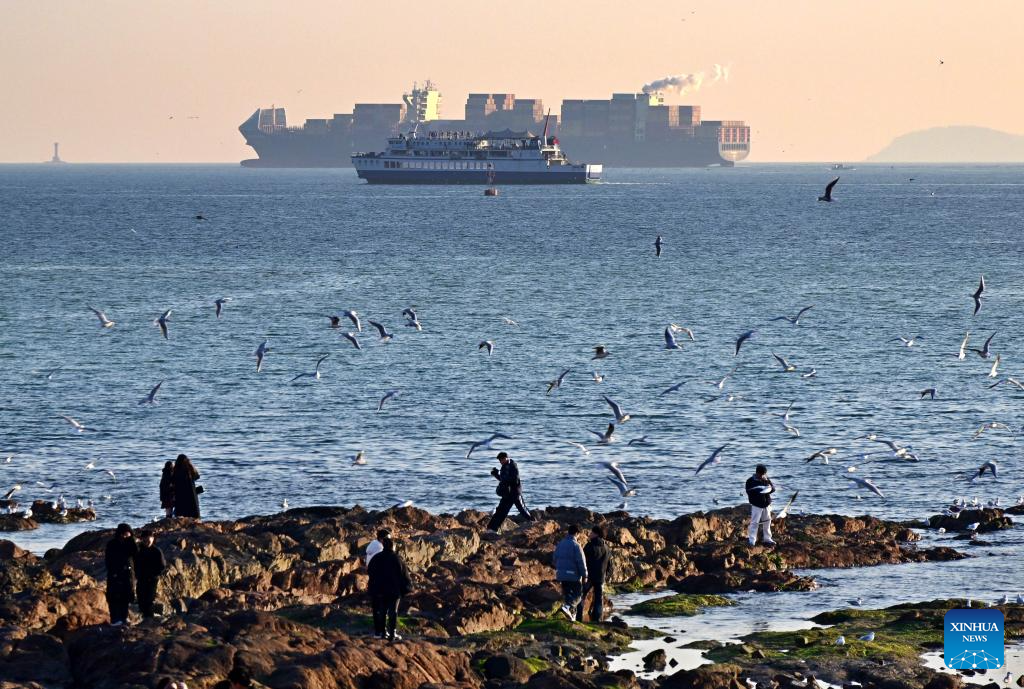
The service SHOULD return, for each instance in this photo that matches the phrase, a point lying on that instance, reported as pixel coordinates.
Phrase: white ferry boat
(494, 158)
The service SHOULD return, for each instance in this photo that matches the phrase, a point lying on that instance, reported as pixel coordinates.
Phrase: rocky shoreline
(284, 596)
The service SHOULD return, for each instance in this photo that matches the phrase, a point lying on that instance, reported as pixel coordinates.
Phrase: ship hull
(477, 177)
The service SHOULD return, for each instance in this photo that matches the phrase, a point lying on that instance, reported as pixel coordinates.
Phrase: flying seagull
(218, 305)
(351, 337)
(354, 317)
(994, 372)
(962, 353)
(927, 392)
(486, 443)
(104, 321)
(508, 321)
(977, 296)
(657, 246)
(151, 397)
(741, 339)
(315, 375)
(162, 322)
(624, 490)
(680, 329)
(865, 484)
(488, 345)
(670, 339)
(75, 423)
(909, 342)
(388, 395)
(785, 510)
(335, 321)
(673, 388)
(715, 458)
(557, 382)
(822, 455)
(986, 349)
(606, 437)
(600, 352)
(989, 466)
(1008, 381)
(720, 384)
(786, 366)
(579, 446)
(828, 191)
(261, 352)
(990, 426)
(385, 336)
(359, 459)
(795, 320)
(617, 410)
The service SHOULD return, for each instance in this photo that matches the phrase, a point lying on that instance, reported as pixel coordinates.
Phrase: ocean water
(897, 254)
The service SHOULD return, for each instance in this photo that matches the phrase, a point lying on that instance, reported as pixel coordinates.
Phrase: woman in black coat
(389, 581)
(167, 489)
(186, 498)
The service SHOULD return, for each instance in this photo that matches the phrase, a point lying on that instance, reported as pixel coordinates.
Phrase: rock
(45, 512)
(704, 677)
(16, 522)
(655, 661)
(504, 666)
(988, 519)
(944, 681)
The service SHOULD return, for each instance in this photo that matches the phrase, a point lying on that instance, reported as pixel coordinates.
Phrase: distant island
(953, 145)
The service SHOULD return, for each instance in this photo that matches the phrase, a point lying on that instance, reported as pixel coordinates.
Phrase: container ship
(627, 130)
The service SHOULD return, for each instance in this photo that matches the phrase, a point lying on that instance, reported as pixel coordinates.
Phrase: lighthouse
(56, 153)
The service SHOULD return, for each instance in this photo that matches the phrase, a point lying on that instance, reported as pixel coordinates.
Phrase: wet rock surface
(284, 596)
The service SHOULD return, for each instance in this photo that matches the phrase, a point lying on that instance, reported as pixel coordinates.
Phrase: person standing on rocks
(186, 495)
(167, 489)
(510, 489)
(759, 494)
(375, 547)
(389, 581)
(598, 560)
(149, 565)
(121, 551)
(570, 570)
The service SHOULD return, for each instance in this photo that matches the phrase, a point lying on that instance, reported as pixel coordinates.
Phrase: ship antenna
(544, 136)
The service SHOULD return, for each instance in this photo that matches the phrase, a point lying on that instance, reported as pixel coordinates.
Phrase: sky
(170, 81)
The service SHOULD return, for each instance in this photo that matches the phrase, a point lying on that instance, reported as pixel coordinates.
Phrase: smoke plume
(686, 83)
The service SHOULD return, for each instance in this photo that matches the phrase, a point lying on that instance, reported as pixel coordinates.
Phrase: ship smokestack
(685, 83)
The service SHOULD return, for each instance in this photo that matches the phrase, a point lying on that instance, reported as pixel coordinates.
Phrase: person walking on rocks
(510, 489)
(186, 494)
(598, 559)
(570, 570)
(389, 581)
(167, 489)
(121, 551)
(149, 565)
(759, 494)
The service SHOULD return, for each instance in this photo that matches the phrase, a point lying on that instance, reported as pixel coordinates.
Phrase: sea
(546, 274)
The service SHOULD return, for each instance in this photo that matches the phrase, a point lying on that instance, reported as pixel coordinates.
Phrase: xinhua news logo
(974, 639)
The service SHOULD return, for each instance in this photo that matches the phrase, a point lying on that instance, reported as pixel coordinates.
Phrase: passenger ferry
(494, 158)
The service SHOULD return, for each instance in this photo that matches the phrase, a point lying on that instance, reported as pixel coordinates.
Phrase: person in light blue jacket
(570, 570)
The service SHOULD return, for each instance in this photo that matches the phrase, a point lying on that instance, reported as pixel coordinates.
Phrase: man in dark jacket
(121, 549)
(389, 581)
(149, 564)
(759, 494)
(510, 489)
(598, 558)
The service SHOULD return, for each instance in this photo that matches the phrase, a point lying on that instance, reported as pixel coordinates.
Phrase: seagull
(1003, 601)
(162, 322)
(858, 601)
(1008, 381)
(786, 366)
(261, 352)
(977, 296)
(642, 441)
(784, 415)
(828, 191)
(557, 382)
(927, 392)
(12, 491)
(657, 246)
(410, 314)
(617, 410)
(414, 323)
(989, 466)
(990, 426)
(75, 423)
(351, 337)
(486, 443)
(841, 641)
(785, 510)
(973, 526)
(614, 468)
(111, 474)
(909, 342)
(606, 437)
(400, 505)
(624, 490)
(670, 339)
(488, 345)
(986, 350)
(790, 428)
(870, 636)
(720, 384)
(151, 397)
(598, 377)
(600, 352)
(865, 484)
(284, 504)
(680, 329)
(388, 395)
(673, 388)
(52, 372)
(354, 317)
(385, 336)
(335, 321)
(315, 375)
(508, 321)
(198, 216)
(359, 459)
(579, 446)
(795, 320)
(8, 458)
(715, 458)
(91, 465)
(994, 372)
(218, 305)
(741, 339)
(104, 321)
(822, 455)
(962, 353)
(813, 373)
